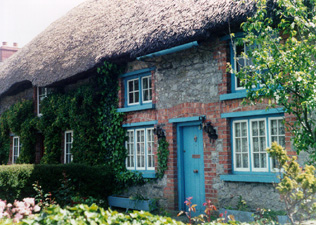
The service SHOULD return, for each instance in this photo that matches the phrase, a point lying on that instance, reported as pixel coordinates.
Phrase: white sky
(22, 20)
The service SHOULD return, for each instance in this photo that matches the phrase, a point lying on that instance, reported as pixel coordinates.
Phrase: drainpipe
(169, 50)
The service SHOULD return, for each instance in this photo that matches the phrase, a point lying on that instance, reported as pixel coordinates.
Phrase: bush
(16, 180)
(83, 214)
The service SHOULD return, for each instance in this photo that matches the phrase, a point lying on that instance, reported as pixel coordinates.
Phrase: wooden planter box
(244, 216)
(124, 202)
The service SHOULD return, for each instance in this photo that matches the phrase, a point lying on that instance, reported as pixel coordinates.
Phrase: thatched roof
(118, 31)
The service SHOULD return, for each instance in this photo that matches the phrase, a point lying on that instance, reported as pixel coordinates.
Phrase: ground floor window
(139, 145)
(68, 139)
(16, 147)
(251, 137)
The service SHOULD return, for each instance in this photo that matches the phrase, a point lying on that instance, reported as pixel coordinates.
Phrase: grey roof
(117, 31)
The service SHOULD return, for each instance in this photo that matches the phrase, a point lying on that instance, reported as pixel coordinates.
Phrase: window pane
(146, 95)
(255, 144)
(237, 130)
(238, 160)
(136, 85)
(130, 86)
(281, 128)
(136, 96)
(255, 128)
(238, 145)
(145, 83)
(244, 129)
(244, 145)
(262, 127)
(245, 160)
(263, 160)
(274, 128)
(256, 160)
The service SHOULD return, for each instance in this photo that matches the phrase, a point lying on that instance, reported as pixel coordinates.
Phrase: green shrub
(16, 180)
(83, 214)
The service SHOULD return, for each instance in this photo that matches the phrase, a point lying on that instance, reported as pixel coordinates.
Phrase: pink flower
(189, 198)
(29, 201)
(37, 208)
(221, 215)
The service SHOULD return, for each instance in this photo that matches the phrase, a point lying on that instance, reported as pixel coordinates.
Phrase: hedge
(16, 180)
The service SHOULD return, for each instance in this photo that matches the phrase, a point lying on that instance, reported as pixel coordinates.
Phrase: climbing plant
(163, 154)
(19, 120)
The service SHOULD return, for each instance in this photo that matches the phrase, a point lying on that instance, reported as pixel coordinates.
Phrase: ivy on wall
(20, 121)
(90, 111)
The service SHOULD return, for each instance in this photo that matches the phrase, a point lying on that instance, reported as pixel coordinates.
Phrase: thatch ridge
(116, 31)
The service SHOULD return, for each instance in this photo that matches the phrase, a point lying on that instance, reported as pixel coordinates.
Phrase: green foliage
(162, 154)
(297, 186)
(84, 214)
(19, 119)
(284, 63)
(16, 181)
(112, 135)
(242, 204)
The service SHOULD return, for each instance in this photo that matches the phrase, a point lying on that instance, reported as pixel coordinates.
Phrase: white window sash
(128, 91)
(151, 143)
(148, 89)
(270, 140)
(16, 146)
(144, 146)
(266, 169)
(69, 145)
(234, 147)
(132, 155)
(40, 98)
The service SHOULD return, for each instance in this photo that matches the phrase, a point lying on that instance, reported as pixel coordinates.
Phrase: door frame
(180, 161)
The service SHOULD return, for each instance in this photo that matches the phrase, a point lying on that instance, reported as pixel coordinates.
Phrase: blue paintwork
(252, 113)
(138, 72)
(147, 123)
(127, 203)
(190, 184)
(137, 107)
(169, 50)
(250, 178)
(186, 119)
(146, 173)
(235, 95)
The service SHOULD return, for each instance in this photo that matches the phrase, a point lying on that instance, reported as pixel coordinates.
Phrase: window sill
(137, 108)
(146, 173)
(271, 178)
(236, 95)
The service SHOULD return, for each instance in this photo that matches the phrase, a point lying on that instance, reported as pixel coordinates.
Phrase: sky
(22, 20)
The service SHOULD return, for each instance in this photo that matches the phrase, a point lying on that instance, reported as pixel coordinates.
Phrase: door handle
(195, 171)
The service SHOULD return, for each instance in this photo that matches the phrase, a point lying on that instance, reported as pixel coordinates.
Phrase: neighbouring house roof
(117, 31)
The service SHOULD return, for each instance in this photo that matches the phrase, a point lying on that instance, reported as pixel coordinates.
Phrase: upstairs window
(68, 146)
(139, 90)
(140, 153)
(42, 93)
(16, 147)
(239, 60)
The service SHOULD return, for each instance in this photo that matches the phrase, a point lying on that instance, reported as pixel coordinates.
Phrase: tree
(281, 38)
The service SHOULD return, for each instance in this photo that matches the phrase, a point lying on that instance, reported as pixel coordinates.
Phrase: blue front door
(191, 160)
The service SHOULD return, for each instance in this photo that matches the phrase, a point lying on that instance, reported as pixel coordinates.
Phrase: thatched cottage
(176, 54)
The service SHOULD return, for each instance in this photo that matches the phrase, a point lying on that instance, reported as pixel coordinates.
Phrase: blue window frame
(238, 61)
(140, 150)
(138, 90)
(250, 138)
